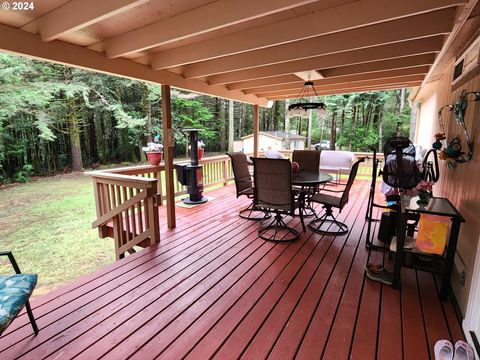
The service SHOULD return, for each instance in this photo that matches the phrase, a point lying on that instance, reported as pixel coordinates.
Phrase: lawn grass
(47, 225)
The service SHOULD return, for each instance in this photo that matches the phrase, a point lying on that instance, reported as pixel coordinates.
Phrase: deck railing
(127, 210)
(127, 198)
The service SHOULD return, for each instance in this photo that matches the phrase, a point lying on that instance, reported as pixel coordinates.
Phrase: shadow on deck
(212, 288)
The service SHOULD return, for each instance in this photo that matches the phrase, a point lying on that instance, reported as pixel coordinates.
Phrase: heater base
(189, 201)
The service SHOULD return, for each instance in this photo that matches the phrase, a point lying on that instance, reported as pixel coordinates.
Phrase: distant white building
(270, 140)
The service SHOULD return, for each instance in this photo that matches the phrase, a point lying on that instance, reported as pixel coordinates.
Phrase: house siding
(460, 184)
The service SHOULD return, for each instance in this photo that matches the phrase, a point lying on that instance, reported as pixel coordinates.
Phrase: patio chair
(327, 223)
(274, 154)
(243, 184)
(337, 162)
(273, 194)
(308, 160)
(15, 290)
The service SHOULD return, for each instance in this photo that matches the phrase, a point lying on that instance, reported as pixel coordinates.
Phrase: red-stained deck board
(318, 304)
(435, 322)
(144, 299)
(213, 289)
(130, 285)
(341, 332)
(415, 345)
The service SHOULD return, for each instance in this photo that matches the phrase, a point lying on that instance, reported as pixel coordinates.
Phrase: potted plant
(201, 149)
(424, 191)
(154, 152)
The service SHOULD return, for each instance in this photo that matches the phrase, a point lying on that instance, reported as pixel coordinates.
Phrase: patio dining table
(308, 181)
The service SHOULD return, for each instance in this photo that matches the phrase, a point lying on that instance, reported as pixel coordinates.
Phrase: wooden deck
(213, 289)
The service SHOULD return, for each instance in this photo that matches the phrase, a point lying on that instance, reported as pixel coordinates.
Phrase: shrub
(24, 174)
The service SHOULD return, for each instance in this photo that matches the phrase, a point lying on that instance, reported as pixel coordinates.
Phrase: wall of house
(461, 184)
(265, 143)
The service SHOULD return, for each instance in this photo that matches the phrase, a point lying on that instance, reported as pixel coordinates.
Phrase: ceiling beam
(77, 14)
(387, 74)
(327, 21)
(389, 51)
(212, 16)
(355, 85)
(400, 63)
(351, 90)
(249, 84)
(23, 43)
(413, 27)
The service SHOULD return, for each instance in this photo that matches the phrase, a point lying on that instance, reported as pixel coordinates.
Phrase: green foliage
(50, 115)
(24, 174)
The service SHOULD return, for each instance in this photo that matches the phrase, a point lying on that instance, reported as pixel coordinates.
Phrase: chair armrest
(12, 260)
(334, 191)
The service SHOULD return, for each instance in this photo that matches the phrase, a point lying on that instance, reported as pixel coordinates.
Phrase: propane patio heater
(191, 175)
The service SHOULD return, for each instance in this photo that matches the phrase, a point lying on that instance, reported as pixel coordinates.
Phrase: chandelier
(301, 108)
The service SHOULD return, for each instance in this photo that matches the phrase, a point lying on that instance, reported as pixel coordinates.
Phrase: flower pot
(154, 158)
(200, 153)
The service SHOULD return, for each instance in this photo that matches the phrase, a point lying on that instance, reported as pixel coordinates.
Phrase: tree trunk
(149, 119)
(230, 126)
(74, 133)
(333, 132)
(309, 130)
(352, 130)
(287, 128)
(222, 126)
(380, 131)
(402, 100)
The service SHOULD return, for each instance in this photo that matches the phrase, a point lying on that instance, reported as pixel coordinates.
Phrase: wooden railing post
(153, 220)
(225, 172)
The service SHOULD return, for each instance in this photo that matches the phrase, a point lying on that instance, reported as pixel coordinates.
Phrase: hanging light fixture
(301, 108)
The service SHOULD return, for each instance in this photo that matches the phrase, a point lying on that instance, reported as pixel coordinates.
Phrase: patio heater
(191, 175)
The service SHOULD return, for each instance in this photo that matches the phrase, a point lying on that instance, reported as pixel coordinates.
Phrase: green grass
(47, 225)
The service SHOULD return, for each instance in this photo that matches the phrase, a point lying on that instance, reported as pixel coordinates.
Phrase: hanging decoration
(300, 108)
(453, 154)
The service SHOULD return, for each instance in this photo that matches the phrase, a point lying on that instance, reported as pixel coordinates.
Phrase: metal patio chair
(15, 290)
(243, 185)
(273, 194)
(327, 223)
(307, 160)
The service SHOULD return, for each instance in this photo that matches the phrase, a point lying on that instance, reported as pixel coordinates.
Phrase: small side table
(435, 206)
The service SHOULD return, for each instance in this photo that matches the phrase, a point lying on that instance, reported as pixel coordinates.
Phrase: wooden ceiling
(246, 50)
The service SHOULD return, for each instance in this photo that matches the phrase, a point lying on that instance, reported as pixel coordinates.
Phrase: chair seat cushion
(327, 199)
(14, 293)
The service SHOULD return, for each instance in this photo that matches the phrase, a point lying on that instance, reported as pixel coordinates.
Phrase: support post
(256, 128)
(168, 155)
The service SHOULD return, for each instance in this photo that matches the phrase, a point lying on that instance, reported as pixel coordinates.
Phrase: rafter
(24, 43)
(200, 20)
(353, 85)
(339, 18)
(281, 79)
(387, 74)
(413, 27)
(77, 14)
(333, 60)
(353, 89)
(374, 66)
(345, 85)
